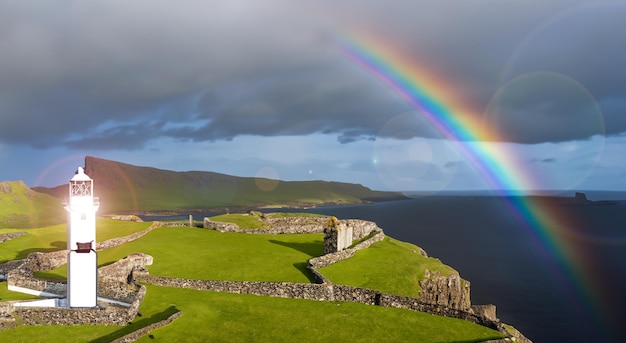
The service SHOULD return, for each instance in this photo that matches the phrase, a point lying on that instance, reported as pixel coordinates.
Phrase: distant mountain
(21, 207)
(125, 188)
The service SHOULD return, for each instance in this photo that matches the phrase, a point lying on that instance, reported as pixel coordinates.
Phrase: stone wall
(11, 235)
(39, 261)
(104, 314)
(135, 335)
(328, 259)
(274, 289)
(113, 242)
(294, 225)
(113, 283)
(361, 228)
(221, 226)
(127, 218)
(337, 236)
(321, 292)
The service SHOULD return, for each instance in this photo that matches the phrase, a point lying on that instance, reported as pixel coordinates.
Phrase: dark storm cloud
(319, 100)
(117, 74)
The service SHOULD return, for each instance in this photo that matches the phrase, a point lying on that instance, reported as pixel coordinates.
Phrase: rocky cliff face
(451, 291)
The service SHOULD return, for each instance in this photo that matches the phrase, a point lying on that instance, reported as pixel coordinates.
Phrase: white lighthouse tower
(82, 269)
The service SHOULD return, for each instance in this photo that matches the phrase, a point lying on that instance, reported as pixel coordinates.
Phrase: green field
(373, 268)
(208, 316)
(22, 207)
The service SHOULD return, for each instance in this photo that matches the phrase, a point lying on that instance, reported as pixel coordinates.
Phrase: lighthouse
(82, 260)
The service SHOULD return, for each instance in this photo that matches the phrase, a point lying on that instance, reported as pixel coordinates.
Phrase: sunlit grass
(54, 238)
(390, 266)
(244, 221)
(6, 295)
(195, 253)
(224, 317)
(206, 254)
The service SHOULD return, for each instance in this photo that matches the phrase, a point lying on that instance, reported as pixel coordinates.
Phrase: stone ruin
(118, 298)
(337, 236)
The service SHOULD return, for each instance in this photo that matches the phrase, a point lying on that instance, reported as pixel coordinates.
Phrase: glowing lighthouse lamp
(82, 269)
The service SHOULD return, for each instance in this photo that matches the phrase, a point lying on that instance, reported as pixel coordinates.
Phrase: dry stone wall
(11, 235)
(328, 259)
(337, 236)
(294, 225)
(135, 335)
(321, 292)
(273, 289)
(104, 314)
(112, 284)
(113, 242)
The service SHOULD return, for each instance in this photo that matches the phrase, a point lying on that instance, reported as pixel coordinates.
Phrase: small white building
(82, 260)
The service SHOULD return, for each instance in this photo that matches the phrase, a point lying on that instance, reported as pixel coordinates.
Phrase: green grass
(54, 238)
(195, 253)
(390, 266)
(223, 317)
(244, 221)
(6, 295)
(210, 255)
(21, 207)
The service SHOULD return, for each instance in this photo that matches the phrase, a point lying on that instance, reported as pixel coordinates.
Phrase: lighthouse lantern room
(82, 271)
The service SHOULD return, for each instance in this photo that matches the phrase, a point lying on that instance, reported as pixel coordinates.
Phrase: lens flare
(266, 179)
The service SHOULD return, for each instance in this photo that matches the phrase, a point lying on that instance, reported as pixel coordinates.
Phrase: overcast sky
(261, 88)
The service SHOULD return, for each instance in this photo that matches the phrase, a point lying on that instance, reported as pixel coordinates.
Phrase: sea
(565, 285)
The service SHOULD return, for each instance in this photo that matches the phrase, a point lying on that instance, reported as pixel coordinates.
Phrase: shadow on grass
(138, 325)
(301, 266)
(57, 245)
(313, 249)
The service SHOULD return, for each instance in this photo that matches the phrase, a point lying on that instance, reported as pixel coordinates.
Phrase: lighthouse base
(82, 279)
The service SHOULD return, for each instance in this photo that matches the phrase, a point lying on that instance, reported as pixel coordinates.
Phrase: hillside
(22, 207)
(127, 188)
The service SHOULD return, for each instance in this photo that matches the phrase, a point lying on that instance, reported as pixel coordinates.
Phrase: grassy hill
(21, 207)
(127, 188)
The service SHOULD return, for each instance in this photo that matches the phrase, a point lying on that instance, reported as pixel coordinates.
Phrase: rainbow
(497, 166)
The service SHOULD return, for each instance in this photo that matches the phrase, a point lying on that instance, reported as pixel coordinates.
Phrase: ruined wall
(295, 225)
(328, 259)
(321, 292)
(274, 289)
(135, 335)
(337, 236)
(221, 226)
(127, 218)
(105, 314)
(11, 235)
(113, 242)
(112, 284)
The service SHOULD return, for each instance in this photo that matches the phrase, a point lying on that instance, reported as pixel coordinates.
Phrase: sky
(266, 89)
